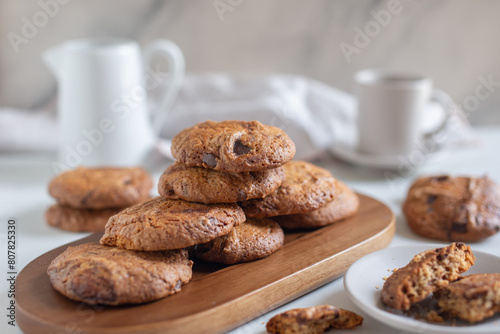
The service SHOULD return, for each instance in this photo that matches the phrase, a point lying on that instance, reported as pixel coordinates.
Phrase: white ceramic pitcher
(102, 108)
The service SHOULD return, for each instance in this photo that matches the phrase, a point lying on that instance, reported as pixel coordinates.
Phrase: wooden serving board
(219, 297)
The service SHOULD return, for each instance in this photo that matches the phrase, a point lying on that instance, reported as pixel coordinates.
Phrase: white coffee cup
(103, 83)
(391, 111)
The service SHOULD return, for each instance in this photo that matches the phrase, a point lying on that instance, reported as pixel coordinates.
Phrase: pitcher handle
(176, 63)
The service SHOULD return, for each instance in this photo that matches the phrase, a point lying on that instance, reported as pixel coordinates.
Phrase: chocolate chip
(442, 256)
(87, 196)
(239, 148)
(459, 228)
(242, 195)
(476, 294)
(478, 220)
(202, 249)
(210, 160)
(441, 178)
(431, 199)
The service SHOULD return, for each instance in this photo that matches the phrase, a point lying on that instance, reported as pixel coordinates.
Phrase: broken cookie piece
(313, 320)
(472, 298)
(427, 272)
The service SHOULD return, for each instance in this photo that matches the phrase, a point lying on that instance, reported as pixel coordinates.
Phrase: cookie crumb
(433, 316)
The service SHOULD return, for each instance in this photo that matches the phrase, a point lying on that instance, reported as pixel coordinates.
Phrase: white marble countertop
(23, 197)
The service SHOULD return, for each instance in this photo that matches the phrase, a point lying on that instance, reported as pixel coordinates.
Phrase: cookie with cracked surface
(233, 146)
(345, 204)
(78, 220)
(472, 298)
(254, 239)
(427, 272)
(313, 320)
(306, 188)
(204, 185)
(97, 274)
(101, 188)
(453, 208)
(160, 224)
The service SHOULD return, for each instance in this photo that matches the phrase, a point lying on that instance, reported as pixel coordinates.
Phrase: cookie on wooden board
(204, 185)
(233, 146)
(160, 224)
(345, 204)
(97, 274)
(254, 239)
(307, 187)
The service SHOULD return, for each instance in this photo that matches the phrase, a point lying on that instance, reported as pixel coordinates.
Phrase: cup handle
(449, 109)
(176, 64)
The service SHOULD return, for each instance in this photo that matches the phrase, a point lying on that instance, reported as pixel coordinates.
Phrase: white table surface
(24, 197)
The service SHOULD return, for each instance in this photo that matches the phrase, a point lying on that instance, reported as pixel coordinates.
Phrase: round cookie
(472, 298)
(453, 208)
(97, 274)
(198, 184)
(252, 240)
(101, 188)
(306, 188)
(78, 220)
(313, 320)
(233, 146)
(427, 272)
(160, 224)
(345, 204)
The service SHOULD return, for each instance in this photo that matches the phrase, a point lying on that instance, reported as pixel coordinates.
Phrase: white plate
(363, 282)
(350, 154)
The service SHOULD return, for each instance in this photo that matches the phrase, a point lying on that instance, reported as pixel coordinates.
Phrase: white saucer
(363, 282)
(350, 154)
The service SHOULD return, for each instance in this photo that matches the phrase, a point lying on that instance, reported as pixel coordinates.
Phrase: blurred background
(452, 41)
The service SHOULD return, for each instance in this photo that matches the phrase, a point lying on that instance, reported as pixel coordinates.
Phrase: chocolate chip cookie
(100, 188)
(453, 208)
(160, 224)
(198, 184)
(97, 274)
(313, 320)
(252, 240)
(306, 188)
(78, 220)
(233, 146)
(472, 298)
(345, 204)
(427, 272)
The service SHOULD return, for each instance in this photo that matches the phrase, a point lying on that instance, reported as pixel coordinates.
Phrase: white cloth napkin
(315, 115)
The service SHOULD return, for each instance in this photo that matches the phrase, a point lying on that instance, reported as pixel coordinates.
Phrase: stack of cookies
(219, 164)
(215, 201)
(87, 197)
